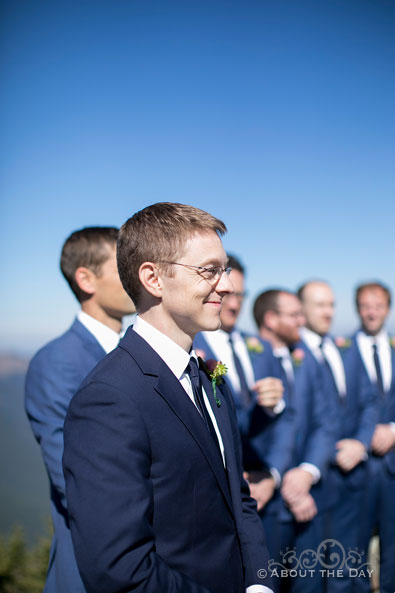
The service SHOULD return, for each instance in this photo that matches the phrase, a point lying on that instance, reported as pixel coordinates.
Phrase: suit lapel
(88, 339)
(171, 390)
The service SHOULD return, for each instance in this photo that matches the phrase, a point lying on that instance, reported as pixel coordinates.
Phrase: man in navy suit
(88, 263)
(375, 349)
(258, 396)
(353, 403)
(152, 461)
(298, 520)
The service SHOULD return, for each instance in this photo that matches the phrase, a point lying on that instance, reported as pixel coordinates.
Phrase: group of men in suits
(156, 498)
(321, 468)
(160, 448)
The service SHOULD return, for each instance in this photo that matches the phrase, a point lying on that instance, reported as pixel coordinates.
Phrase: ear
(150, 279)
(86, 280)
(270, 319)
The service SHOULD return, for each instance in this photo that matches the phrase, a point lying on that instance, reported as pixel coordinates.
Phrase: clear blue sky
(275, 115)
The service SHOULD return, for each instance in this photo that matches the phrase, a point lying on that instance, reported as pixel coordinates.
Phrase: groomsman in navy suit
(265, 427)
(88, 263)
(298, 519)
(372, 346)
(353, 403)
(152, 461)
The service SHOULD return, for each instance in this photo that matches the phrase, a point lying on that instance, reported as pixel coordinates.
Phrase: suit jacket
(151, 505)
(385, 404)
(267, 438)
(54, 375)
(315, 430)
(353, 416)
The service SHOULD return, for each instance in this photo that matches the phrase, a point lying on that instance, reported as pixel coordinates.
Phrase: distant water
(24, 490)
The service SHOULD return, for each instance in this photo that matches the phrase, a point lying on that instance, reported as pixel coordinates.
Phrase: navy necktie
(244, 391)
(379, 375)
(193, 371)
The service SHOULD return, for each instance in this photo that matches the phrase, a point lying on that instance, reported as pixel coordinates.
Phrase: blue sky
(277, 116)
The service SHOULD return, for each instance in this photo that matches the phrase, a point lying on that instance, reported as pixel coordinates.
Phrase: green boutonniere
(392, 342)
(215, 369)
(254, 345)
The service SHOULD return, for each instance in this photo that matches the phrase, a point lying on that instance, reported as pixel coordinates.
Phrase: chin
(213, 325)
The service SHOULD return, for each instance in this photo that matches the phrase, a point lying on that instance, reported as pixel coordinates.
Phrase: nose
(224, 285)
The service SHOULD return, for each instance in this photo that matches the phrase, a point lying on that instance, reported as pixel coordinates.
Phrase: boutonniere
(254, 345)
(215, 369)
(392, 342)
(297, 356)
(342, 342)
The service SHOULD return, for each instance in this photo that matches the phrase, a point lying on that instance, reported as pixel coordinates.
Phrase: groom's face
(191, 299)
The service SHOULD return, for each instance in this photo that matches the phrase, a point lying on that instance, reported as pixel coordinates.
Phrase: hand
(383, 439)
(296, 485)
(262, 491)
(269, 391)
(305, 509)
(350, 453)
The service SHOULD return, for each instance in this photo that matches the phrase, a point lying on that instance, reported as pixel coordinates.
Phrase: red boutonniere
(342, 342)
(297, 356)
(254, 345)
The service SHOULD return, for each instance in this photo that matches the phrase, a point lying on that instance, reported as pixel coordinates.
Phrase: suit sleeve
(264, 365)
(50, 384)
(320, 444)
(274, 446)
(107, 460)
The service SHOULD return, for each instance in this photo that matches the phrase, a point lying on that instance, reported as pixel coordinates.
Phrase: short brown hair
(372, 286)
(86, 248)
(266, 301)
(158, 233)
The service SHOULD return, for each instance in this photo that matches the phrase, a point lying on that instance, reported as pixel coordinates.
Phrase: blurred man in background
(254, 376)
(376, 349)
(88, 263)
(298, 519)
(353, 405)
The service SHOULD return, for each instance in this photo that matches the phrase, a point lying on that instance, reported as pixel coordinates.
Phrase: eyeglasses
(212, 274)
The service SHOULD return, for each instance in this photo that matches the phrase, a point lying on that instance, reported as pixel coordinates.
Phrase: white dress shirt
(177, 359)
(365, 345)
(107, 337)
(284, 355)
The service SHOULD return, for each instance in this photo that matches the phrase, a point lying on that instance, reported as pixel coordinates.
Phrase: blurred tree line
(23, 568)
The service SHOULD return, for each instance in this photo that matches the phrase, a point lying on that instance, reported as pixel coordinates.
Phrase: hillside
(24, 498)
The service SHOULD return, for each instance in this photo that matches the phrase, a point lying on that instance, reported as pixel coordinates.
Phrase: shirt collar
(171, 353)
(107, 337)
(312, 339)
(281, 351)
(380, 338)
